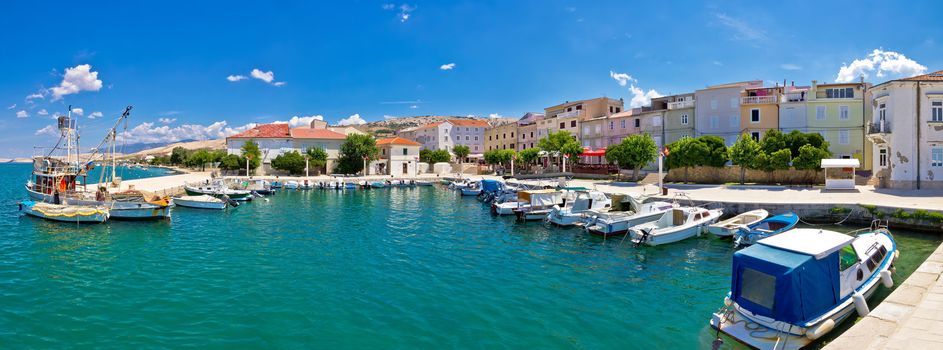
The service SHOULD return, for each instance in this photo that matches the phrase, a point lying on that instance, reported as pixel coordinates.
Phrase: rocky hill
(396, 124)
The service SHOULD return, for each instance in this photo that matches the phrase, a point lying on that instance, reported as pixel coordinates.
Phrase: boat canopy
(540, 197)
(490, 185)
(785, 285)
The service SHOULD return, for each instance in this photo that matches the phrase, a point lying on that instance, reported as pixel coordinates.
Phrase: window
(618, 109)
(572, 123)
(466, 138)
(622, 122)
(843, 112)
(611, 109)
(758, 288)
(713, 104)
(656, 121)
(754, 115)
(936, 111)
(820, 112)
(531, 134)
(512, 134)
(562, 125)
(715, 122)
(504, 136)
(755, 135)
(847, 257)
(569, 109)
(882, 157)
(476, 147)
(843, 136)
(585, 143)
(638, 122)
(585, 129)
(936, 157)
(489, 137)
(405, 151)
(579, 107)
(840, 93)
(684, 119)
(476, 137)
(735, 121)
(612, 125)
(383, 151)
(598, 128)
(684, 135)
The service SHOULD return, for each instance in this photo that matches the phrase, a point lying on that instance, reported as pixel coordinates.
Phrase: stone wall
(727, 174)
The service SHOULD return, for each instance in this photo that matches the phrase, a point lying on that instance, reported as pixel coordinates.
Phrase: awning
(597, 153)
(840, 163)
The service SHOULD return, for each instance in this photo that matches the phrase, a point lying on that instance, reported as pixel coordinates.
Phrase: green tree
(743, 153)
(439, 156)
(292, 162)
(810, 158)
(528, 156)
(686, 153)
(355, 148)
(199, 158)
(773, 141)
(461, 151)
(561, 143)
(178, 156)
(317, 157)
(717, 147)
(250, 150)
(633, 152)
(232, 162)
(424, 155)
(216, 156)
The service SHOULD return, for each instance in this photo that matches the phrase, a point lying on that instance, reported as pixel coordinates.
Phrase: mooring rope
(852, 212)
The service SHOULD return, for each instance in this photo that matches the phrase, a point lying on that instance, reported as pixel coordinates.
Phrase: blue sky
(338, 59)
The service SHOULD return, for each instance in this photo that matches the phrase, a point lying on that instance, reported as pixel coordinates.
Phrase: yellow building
(759, 110)
(501, 136)
(567, 116)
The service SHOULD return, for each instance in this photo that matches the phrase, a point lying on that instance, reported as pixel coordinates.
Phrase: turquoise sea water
(390, 268)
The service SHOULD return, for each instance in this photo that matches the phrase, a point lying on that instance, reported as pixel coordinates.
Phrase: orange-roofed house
(328, 140)
(398, 157)
(273, 140)
(449, 133)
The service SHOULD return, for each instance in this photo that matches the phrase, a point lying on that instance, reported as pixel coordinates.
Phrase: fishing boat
(791, 289)
(729, 227)
(378, 184)
(618, 223)
(540, 203)
(259, 186)
(472, 189)
(768, 227)
(56, 171)
(578, 203)
(202, 202)
(79, 214)
(350, 186)
(675, 225)
(126, 205)
(218, 188)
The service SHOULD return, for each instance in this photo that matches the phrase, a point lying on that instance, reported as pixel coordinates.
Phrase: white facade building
(450, 133)
(399, 157)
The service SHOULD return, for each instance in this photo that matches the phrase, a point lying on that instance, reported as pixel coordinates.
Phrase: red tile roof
(934, 76)
(397, 141)
(469, 123)
(309, 133)
(265, 131)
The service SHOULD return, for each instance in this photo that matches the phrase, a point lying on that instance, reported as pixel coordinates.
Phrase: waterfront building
(717, 110)
(793, 109)
(527, 133)
(398, 157)
(568, 115)
(906, 128)
(594, 133)
(679, 116)
(449, 133)
(759, 110)
(317, 136)
(273, 140)
(501, 136)
(836, 111)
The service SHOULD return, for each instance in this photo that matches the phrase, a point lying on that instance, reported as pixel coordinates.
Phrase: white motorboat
(578, 203)
(729, 227)
(218, 188)
(675, 225)
(541, 202)
(200, 202)
(291, 185)
(618, 223)
(472, 189)
(795, 287)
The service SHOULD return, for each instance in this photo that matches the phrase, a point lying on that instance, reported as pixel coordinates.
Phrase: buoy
(887, 279)
(860, 304)
(820, 330)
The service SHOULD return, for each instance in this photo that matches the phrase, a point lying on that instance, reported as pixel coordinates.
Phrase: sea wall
(727, 174)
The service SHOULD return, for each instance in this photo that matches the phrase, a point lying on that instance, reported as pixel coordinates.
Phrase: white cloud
(22, 114)
(12, 107)
(42, 112)
(718, 63)
(39, 95)
(166, 120)
(388, 117)
(741, 29)
(49, 130)
(790, 66)
(95, 114)
(404, 12)
(413, 106)
(570, 9)
(884, 64)
(389, 6)
(236, 77)
(447, 66)
(78, 111)
(148, 133)
(495, 115)
(641, 97)
(297, 121)
(267, 77)
(622, 78)
(352, 120)
(77, 79)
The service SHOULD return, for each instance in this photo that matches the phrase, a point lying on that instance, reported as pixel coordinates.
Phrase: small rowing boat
(202, 202)
(729, 227)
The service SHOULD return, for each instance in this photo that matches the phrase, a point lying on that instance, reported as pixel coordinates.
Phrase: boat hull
(200, 204)
(91, 216)
(129, 210)
(620, 227)
(238, 196)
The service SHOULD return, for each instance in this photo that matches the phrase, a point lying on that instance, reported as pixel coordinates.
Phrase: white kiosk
(842, 175)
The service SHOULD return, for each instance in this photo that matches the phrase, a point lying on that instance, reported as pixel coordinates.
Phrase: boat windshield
(847, 257)
(758, 287)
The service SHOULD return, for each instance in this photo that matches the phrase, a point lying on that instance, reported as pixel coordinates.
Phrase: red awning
(597, 153)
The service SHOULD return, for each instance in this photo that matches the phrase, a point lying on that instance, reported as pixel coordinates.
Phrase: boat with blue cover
(791, 289)
(768, 227)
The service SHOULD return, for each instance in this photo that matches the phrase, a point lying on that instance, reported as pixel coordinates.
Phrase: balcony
(681, 104)
(878, 132)
(756, 100)
(570, 114)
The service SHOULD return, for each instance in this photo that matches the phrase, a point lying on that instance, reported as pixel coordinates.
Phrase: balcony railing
(753, 100)
(681, 104)
(570, 114)
(879, 128)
